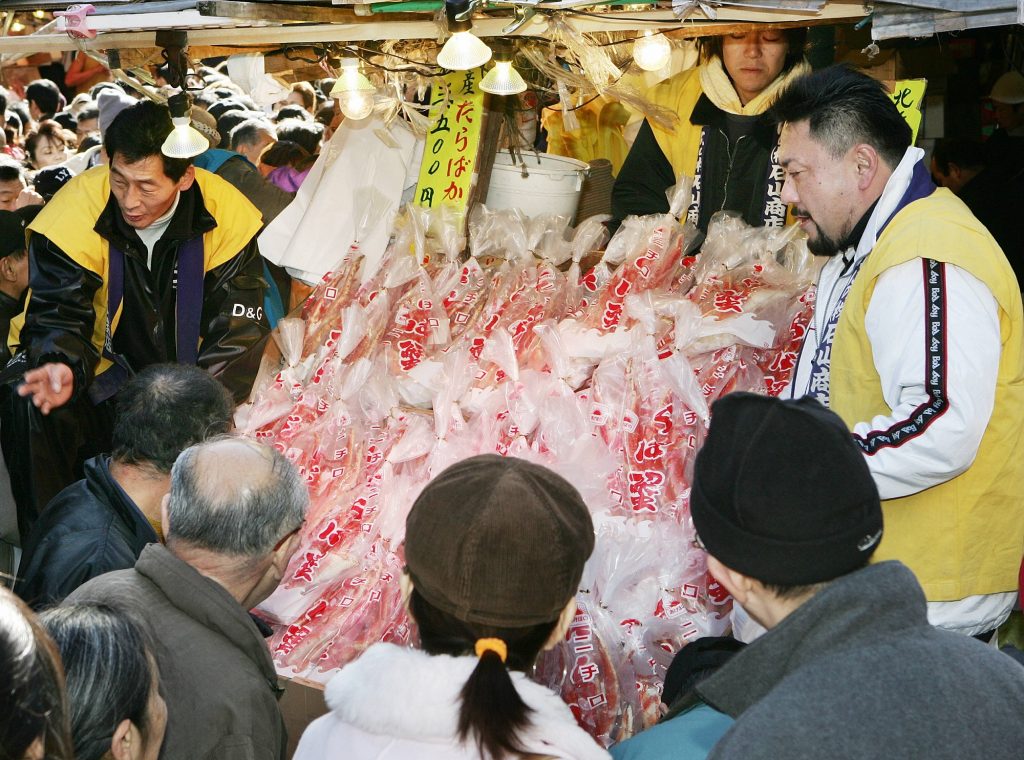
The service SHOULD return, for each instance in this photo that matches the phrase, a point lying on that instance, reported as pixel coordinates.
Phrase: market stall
(449, 317)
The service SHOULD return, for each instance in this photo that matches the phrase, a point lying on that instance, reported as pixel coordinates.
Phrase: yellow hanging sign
(908, 95)
(452, 143)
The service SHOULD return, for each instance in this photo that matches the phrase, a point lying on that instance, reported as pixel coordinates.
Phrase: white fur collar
(406, 693)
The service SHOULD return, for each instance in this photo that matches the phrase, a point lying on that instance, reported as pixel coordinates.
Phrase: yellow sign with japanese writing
(452, 143)
(908, 95)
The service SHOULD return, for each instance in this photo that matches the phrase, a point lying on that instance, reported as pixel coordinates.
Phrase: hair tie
(492, 645)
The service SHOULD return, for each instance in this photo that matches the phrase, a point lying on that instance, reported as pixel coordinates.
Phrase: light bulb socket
(503, 50)
(180, 104)
(458, 14)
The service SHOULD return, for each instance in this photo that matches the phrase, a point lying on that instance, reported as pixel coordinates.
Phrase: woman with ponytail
(494, 552)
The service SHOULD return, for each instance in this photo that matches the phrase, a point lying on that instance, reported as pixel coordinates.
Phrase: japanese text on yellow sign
(908, 95)
(449, 158)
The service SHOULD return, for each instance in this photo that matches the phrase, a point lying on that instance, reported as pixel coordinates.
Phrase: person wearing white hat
(1008, 98)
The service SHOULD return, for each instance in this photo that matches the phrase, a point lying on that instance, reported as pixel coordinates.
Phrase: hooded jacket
(69, 249)
(92, 527)
(216, 674)
(394, 702)
(857, 672)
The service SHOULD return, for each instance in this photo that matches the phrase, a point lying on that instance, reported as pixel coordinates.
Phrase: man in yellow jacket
(917, 342)
(148, 260)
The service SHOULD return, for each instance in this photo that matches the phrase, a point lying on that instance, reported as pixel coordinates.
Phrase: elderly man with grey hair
(231, 523)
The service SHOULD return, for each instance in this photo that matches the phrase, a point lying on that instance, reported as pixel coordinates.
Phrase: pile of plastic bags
(523, 346)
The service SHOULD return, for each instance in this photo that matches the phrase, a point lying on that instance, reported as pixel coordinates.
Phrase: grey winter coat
(216, 674)
(857, 672)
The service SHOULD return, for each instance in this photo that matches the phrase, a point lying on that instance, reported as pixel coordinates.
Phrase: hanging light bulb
(652, 51)
(39, 14)
(17, 27)
(463, 50)
(355, 93)
(503, 79)
(356, 105)
(184, 141)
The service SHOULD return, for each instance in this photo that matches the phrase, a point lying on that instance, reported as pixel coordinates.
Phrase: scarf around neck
(715, 83)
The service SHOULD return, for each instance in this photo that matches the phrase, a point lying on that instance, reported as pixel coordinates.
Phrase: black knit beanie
(782, 494)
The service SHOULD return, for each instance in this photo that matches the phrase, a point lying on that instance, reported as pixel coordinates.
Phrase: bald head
(234, 497)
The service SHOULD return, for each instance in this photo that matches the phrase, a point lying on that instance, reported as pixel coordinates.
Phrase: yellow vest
(69, 224)
(965, 536)
(678, 94)
(681, 145)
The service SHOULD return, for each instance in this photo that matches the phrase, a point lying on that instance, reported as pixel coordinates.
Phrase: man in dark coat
(13, 268)
(231, 525)
(849, 668)
(103, 522)
(993, 193)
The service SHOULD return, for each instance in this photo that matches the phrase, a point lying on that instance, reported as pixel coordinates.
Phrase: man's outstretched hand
(50, 386)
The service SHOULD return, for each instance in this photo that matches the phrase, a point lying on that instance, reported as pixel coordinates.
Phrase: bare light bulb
(356, 105)
(353, 90)
(463, 51)
(652, 51)
(503, 79)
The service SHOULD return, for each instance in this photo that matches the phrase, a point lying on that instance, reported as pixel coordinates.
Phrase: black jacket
(998, 202)
(92, 527)
(60, 319)
(734, 175)
(9, 308)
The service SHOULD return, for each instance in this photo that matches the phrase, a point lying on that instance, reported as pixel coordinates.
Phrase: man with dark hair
(12, 183)
(13, 268)
(251, 138)
(787, 509)
(220, 107)
(227, 122)
(304, 133)
(143, 261)
(292, 111)
(67, 120)
(917, 342)
(103, 522)
(44, 99)
(231, 524)
(18, 117)
(88, 122)
(992, 196)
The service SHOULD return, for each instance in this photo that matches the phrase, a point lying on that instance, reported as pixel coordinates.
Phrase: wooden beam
(277, 11)
(382, 27)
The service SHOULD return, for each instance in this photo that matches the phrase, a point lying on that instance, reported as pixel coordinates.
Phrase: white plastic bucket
(552, 184)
